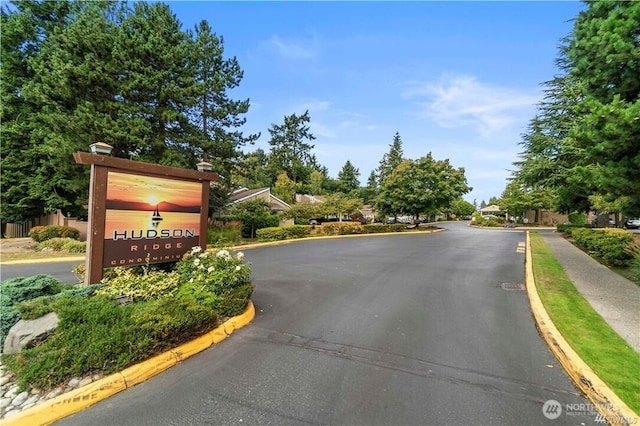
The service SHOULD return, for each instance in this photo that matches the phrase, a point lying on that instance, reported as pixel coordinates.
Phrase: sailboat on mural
(156, 215)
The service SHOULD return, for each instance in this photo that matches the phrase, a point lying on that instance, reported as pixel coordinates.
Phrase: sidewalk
(615, 298)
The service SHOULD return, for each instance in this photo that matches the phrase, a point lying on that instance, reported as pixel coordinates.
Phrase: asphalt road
(61, 270)
(392, 330)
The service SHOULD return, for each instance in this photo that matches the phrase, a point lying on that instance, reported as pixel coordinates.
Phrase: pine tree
(391, 159)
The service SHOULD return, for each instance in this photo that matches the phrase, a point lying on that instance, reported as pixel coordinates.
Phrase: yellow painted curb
(77, 400)
(612, 408)
(185, 350)
(69, 403)
(218, 335)
(147, 369)
(47, 260)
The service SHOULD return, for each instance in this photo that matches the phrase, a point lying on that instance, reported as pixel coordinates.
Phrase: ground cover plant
(608, 355)
(97, 333)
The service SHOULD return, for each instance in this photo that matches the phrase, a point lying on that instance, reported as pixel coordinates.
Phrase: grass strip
(606, 353)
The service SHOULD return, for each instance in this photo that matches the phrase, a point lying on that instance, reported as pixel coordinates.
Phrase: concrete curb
(77, 400)
(613, 410)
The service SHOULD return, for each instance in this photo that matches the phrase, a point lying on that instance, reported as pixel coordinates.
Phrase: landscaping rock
(20, 399)
(26, 333)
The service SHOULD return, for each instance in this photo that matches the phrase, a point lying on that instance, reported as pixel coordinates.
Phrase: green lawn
(608, 355)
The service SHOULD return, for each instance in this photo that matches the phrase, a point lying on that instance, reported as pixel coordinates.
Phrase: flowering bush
(208, 276)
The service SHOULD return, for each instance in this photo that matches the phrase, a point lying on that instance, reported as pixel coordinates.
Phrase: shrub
(234, 301)
(376, 228)
(569, 227)
(147, 285)
(283, 232)
(342, 228)
(35, 308)
(63, 244)
(15, 290)
(207, 276)
(96, 334)
(578, 219)
(43, 233)
(609, 245)
(222, 234)
(633, 249)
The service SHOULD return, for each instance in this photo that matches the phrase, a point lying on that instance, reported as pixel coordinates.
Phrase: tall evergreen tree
(291, 147)
(391, 159)
(348, 178)
(217, 116)
(26, 26)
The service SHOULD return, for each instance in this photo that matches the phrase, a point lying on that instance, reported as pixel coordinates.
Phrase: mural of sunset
(145, 193)
(150, 218)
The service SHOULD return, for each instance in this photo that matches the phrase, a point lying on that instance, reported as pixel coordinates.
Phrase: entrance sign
(142, 213)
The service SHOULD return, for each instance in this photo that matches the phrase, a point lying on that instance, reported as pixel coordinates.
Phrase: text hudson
(150, 234)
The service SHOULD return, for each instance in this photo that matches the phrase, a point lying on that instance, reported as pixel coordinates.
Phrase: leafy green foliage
(284, 188)
(283, 232)
(254, 215)
(97, 334)
(43, 233)
(609, 245)
(291, 148)
(16, 290)
(126, 74)
(339, 205)
(584, 141)
(64, 244)
(146, 286)
(390, 160)
(206, 275)
(348, 178)
(420, 187)
(19, 289)
(224, 234)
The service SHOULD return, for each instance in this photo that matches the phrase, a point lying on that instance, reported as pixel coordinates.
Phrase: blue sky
(458, 79)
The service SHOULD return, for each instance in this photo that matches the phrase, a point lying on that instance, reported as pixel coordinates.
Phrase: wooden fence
(21, 230)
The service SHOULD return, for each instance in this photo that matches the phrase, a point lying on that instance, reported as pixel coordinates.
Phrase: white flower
(222, 253)
(196, 249)
(191, 280)
(211, 269)
(201, 267)
(240, 255)
(203, 254)
(196, 262)
(238, 268)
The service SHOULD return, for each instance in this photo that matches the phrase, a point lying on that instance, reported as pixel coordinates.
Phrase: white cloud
(457, 101)
(294, 49)
(313, 105)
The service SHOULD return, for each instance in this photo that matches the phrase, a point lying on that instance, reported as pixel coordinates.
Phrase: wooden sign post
(141, 213)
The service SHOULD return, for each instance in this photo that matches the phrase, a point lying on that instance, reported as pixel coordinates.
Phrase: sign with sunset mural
(149, 219)
(141, 212)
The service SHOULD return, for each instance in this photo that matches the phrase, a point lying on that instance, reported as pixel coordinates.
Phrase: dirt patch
(17, 245)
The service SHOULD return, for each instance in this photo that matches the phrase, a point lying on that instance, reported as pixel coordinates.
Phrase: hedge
(609, 245)
(283, 233)
(43, 233)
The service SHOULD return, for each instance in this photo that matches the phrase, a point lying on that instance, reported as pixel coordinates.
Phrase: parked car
(632, 223)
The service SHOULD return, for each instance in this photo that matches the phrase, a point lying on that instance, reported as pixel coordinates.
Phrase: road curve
(401, 329)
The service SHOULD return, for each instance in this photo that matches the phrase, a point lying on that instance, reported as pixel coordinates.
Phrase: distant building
(242, 195)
